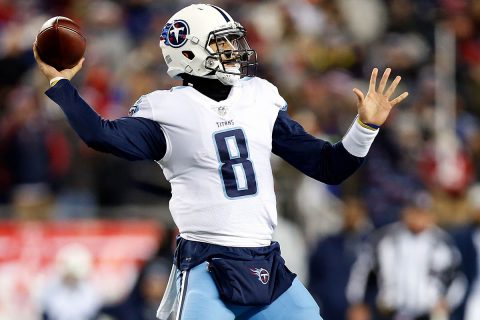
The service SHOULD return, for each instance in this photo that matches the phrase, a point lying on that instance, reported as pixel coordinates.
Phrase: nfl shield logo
(222, 110)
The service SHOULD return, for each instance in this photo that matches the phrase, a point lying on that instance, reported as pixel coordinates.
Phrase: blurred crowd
(315, 51)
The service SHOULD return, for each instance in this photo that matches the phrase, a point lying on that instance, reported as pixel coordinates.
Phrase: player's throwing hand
(50, 72)
(375, 107)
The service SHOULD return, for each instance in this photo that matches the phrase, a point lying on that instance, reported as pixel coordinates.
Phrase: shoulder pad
(141, 108)
(271, 90)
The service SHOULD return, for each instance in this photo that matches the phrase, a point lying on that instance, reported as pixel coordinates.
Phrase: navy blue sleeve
(128, 138)
(319, 159)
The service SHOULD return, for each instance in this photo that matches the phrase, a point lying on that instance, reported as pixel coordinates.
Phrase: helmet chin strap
(230, 77)
(227, 78)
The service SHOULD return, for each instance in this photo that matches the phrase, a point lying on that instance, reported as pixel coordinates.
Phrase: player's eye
(221, 44)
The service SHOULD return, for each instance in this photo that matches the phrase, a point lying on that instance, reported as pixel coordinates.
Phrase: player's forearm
(316, 158)
(337, 164)
(330, 164)
(83, 119)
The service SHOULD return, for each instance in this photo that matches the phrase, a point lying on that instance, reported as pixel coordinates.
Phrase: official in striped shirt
(416, 266)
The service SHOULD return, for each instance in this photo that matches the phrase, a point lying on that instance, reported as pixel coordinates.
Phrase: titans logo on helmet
(175, 34)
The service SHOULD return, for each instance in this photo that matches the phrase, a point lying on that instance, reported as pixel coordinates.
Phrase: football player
(213, 138)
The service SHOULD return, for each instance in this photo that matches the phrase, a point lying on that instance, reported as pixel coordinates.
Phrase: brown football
(61, 43)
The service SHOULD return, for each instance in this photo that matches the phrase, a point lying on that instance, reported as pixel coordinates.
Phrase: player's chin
(233, 64)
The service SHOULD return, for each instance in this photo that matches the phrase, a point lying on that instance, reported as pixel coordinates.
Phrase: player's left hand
(375, 107)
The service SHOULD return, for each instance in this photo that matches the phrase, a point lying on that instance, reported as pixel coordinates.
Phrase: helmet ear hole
(188, 54)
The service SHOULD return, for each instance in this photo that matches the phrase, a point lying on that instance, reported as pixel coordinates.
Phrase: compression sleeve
(319, 159)
(129, 138)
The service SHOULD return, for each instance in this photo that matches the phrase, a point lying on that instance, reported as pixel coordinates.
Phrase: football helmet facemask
(204, 41)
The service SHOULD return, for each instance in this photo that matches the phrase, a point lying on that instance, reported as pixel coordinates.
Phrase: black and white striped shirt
(414, 271)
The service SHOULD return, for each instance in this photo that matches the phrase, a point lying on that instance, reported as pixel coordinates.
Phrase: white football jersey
(218, 160)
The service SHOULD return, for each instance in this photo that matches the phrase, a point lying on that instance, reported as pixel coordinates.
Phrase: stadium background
(54, 191)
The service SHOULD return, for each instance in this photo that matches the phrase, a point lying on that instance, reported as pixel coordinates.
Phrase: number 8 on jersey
(236, 170)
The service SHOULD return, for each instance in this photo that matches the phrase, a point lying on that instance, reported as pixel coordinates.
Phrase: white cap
(74, 259)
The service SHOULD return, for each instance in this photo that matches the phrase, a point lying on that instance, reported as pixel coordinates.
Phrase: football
(61, 43)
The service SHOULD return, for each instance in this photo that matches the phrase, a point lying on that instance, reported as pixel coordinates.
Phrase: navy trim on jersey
(319, 159)
(131, 138)
(221, 11)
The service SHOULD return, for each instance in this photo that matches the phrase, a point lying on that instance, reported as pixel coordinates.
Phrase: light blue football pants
(200, 301)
